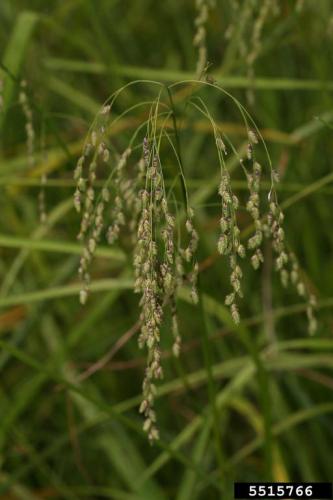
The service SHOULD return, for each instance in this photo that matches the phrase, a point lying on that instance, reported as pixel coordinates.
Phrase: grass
(240, 403)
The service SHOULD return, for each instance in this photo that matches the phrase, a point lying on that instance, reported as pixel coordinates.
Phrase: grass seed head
(135, 198)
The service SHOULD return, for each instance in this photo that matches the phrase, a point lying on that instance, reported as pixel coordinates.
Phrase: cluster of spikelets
(269, 226)
(135, 206)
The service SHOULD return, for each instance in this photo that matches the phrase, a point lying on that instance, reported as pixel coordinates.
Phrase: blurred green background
(258, 406)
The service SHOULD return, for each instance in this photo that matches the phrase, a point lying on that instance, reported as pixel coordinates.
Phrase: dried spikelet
(253, 207)
(41, 199)
(190, 250)
(176, 347)
(193, 278)
(29, 126)
(43, 183)
(106, 109)
(303, 291)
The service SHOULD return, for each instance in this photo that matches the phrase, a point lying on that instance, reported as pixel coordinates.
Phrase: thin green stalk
(211, 383)
(264, 394)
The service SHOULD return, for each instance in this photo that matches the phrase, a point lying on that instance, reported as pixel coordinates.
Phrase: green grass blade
(13, 57)
(167, 75)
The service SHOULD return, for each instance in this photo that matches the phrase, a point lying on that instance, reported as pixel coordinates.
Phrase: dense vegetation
(247, 400)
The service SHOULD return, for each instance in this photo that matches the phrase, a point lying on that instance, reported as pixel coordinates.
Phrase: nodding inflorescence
(139, 207)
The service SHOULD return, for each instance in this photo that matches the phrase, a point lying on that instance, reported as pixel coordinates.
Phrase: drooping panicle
(229, 243)
(147, 284)
(286, 262)
(159, 230)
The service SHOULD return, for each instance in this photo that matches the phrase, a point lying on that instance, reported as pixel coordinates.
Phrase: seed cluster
(86, 201)
(286, 262)
(137, 200)
(124, 198)
(159, 271)
(147, 284)
(229, 244)
(253, 203)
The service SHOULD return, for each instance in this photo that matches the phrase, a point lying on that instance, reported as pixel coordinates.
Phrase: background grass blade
(13, 57)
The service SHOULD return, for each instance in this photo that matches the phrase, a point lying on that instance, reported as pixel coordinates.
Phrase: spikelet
(29, 125)
(228, 243)
(42, 200)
